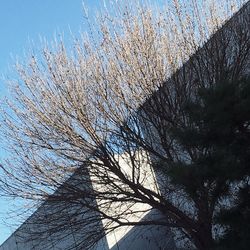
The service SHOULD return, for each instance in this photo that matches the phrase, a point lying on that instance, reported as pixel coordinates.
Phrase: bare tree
(104, 111)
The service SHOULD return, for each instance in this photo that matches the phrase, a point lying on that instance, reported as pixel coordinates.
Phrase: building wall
(37, 231)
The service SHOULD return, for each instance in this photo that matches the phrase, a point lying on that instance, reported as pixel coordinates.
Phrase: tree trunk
(204, 239)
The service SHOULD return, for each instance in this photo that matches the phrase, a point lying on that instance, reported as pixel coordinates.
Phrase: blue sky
(23, 21)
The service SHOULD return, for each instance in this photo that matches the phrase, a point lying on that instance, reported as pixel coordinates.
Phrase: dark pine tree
(214, 138)
(237, 223)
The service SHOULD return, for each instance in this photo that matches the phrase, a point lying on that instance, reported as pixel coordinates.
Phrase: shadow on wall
(147, 237)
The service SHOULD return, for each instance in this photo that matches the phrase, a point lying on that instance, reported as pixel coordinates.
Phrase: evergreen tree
(217, 135)
(237, 223)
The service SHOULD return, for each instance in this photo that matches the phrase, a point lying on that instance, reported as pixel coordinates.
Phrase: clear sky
(22, 21)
